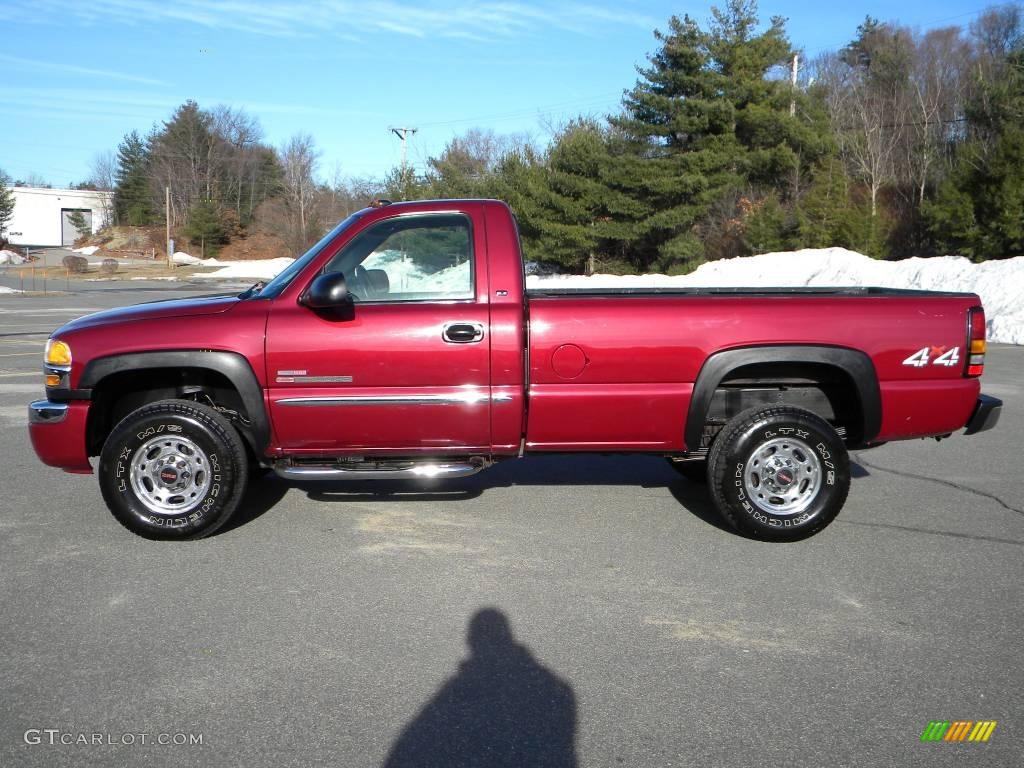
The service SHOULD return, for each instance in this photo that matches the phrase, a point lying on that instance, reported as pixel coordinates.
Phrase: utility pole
(793, 74)
(167, 217)
(403, 134)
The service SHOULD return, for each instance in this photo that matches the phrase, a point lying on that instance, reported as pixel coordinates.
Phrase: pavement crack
(931, 532)
(964, 488)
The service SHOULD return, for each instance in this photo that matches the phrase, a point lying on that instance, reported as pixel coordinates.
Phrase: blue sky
(76, 76)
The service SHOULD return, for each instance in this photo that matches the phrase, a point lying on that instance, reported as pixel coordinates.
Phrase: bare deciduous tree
(997, 32)
(936, 86)
(33, 180)
(470, 158)
(103, 176)
(995, 35)
(239, 166)
(867, 118)
(299, 158)
(180, 160)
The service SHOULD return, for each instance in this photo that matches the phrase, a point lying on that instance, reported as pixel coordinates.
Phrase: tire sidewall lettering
(222, 455)
(736, 492)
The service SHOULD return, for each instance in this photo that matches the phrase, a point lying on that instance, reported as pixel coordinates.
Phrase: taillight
(976, 342)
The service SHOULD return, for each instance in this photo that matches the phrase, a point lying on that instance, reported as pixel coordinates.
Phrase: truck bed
(678, 291)
(618, 366)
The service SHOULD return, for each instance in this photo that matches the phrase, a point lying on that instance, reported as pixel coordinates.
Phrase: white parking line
(24, 373)
(21, 354)
(47, 312)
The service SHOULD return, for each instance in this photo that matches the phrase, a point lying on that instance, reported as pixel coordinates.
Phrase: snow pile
(265, 269)
(1000, 284)
(404, 275)
(256, 269)
(4, 288)
(88, 250)
(10, 257)
(180, 257)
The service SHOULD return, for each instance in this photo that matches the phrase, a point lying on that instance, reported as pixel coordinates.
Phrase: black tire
(694, 471)
(779, 472)
(188, 444)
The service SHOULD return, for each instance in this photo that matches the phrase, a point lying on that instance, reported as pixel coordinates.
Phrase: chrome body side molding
(462, 398)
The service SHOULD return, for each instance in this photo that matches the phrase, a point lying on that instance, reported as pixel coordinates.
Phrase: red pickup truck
(405, 345)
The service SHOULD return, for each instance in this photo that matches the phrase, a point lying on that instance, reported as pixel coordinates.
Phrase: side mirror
(328, 291)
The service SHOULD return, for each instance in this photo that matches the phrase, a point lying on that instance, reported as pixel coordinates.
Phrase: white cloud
(73, 69)
(143, 107)
(440, 18)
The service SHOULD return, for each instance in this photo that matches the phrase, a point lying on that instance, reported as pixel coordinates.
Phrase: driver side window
(426, 257)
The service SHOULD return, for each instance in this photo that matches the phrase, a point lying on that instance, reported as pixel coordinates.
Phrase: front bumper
(986, 414)
(45, 412)
(57, 431)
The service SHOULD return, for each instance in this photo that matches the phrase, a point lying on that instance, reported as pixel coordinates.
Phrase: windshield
(273, 289)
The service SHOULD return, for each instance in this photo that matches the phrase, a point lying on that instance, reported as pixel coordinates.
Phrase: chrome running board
(382, 471)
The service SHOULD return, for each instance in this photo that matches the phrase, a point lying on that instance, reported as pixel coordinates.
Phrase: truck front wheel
(173, 470)
(779, 473)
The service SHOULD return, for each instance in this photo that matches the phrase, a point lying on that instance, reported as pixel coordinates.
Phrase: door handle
(462, 333)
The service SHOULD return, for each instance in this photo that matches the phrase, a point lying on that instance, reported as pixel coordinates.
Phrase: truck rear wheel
(779, 473)
(173, 469)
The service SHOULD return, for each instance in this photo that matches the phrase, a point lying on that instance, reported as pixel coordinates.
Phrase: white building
(41, 215)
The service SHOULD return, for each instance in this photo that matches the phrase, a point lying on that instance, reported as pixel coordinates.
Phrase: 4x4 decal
(941, 355)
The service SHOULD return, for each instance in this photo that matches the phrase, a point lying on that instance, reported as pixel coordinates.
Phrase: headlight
(58, 354)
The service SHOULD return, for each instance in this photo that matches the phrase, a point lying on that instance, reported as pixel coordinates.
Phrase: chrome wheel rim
(170, 474)
(782, 476)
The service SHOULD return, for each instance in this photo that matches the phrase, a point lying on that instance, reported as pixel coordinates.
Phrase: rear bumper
(57, 431)
(986, 414)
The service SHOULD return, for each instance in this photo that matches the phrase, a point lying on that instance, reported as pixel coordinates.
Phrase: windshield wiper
(252, 290)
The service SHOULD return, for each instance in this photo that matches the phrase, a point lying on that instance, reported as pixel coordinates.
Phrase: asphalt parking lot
(559, 611)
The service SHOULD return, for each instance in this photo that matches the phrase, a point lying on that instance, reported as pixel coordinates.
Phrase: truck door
(407, 370)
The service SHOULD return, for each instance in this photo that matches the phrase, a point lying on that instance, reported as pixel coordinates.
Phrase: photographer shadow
(503, 708)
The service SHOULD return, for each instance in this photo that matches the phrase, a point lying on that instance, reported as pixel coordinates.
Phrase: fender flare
(233, 366)
(854, 363)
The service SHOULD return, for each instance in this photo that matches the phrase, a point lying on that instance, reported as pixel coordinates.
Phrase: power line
(50, 191)
(523, 112)
(908, 124)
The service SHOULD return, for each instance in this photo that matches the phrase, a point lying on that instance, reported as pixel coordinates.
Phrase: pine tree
(77, 220)
(6, 203)
(132, 202)
(402, 184)
(521, 182)
(205, 227)
(580, 218)
(465, 168)
(829, 214)
(979, 210)
(706, 121)
(681, 133)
